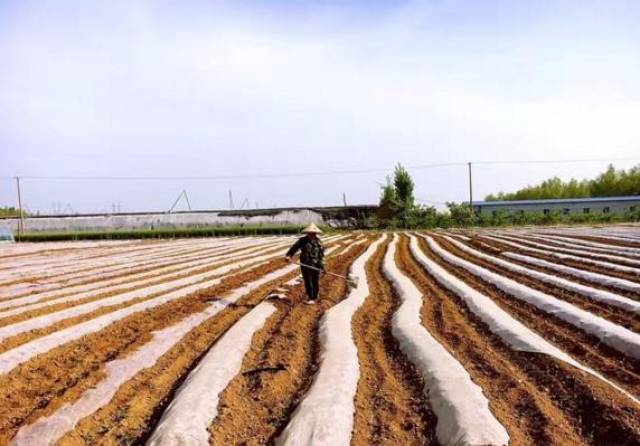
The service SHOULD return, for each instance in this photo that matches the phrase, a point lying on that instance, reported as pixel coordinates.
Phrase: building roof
(557, 201)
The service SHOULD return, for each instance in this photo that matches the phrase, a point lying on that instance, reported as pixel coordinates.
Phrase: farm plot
(489, 337)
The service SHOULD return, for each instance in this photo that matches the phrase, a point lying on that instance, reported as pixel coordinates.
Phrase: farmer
(311, 254)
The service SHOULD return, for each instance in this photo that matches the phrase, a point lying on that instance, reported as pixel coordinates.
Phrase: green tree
(611, 182)
(387, 207)
(461, 214)
(403, 185)
(396, 199)
(9, 211)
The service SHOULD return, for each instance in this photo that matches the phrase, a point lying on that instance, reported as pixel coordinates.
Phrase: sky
(142, 88)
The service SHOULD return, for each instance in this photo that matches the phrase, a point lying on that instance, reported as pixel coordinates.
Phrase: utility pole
(344, 199)
(21, 221)
(470, 188)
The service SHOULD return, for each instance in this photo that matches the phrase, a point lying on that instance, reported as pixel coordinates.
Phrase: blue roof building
(601, 205)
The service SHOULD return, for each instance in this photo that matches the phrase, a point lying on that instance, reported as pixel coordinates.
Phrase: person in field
(312, 255)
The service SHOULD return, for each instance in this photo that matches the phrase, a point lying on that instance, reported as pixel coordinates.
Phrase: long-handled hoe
(352, 282)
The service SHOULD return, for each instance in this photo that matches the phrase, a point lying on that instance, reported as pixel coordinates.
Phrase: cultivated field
(488, 337)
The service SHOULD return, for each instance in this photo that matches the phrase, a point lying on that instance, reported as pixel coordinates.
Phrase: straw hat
(312, 229)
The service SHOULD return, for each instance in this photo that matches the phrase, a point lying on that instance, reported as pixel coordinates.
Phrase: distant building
(598, 205)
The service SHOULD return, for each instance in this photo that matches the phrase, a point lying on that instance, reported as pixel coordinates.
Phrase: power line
(561, 161)
(316, 173)
(229, 177)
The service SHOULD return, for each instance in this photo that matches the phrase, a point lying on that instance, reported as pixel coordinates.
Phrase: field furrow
(556, 377)
(390, 404)
(189, 273)
(280, 366)
(326, 411)
(462, 410)
(615, 336)
(588, 349)
(120, 265)
(123, 331)
(569, 257)
(611, 306)
(461, 337)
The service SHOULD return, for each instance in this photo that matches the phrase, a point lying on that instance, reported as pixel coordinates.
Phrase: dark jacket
(311, 251)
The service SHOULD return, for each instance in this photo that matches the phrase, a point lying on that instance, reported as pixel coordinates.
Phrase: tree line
(10, 211)
(397, 207)
(610, 183)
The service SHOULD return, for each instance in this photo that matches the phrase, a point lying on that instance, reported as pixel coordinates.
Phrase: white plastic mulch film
(6, 236)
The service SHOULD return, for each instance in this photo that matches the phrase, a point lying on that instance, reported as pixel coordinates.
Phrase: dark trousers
(311, 277)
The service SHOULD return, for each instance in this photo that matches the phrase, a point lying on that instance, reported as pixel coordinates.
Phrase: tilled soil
(152, 280)
(561, 398)
(582, 346)
(498, 248)
(44, 383)
(618, 415)
(526, 412)
(603, 240)
(135, 409)
(279, 368)
(538, 399)
(614, 314)
(391, 407)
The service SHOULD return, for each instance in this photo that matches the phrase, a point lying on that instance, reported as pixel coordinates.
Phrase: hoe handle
(321, 270)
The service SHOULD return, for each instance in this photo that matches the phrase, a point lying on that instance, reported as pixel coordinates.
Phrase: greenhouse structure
(6, 236)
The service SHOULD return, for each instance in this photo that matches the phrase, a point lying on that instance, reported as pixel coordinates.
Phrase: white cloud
(218, 90)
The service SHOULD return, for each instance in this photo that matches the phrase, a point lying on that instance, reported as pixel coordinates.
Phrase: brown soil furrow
(496, 248)
(525, 411)
(279, 367)
(391, 407)
(96, 273)
(44, 265)
(568, 262)
(159, 280)
(621, 259)
(20, 251)
(179, 266)
(41, 385)
(614, 314)
(603, 240)
(538, 399)
(585, 348)
(131, 415)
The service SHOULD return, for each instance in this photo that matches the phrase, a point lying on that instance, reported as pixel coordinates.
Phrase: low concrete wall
(336, 217)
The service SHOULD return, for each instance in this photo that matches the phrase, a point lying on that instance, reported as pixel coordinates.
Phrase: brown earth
(131, 415)
(41, 385)
(525, 411)
(614, 314)
(538, 399)
(584, 347)
(177, 275)
(136, 407)
(499, 248)
(150, 277)
(604, 240)
(391, 407)
(572, 407)
(279, 368)
(95, 273)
